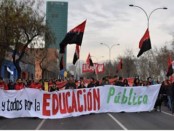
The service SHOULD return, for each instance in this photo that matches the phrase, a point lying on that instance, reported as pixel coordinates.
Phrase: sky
(115, 22)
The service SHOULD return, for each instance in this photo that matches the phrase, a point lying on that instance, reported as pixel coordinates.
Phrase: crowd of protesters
(166, 93)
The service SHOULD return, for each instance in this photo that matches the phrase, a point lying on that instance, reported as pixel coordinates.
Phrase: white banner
(67, 103)
(98, 68)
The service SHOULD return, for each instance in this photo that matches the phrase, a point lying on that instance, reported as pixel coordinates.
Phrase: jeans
(169, 102)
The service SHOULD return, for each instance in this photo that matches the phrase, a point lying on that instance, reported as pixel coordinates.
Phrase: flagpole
(79, 61)
(79, 67)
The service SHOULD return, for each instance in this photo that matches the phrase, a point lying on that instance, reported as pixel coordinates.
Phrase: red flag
(89, 60)
(76, 54)
(170, 68)
(119, 66)
(74, 36)
(145, 43)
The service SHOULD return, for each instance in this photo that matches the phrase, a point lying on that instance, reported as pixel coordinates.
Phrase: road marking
(166, 113)
(40, 124)
(119, 123)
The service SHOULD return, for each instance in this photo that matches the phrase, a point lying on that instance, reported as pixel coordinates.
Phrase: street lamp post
(148, 16)
(109, 47)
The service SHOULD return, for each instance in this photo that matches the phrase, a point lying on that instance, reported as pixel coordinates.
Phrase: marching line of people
(166, 93)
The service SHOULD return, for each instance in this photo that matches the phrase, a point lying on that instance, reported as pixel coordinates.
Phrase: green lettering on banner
(139, 100)
(130, 96)
(124, 97)
(111, 93)
(134, 99)
(117, 98)
(145, 99)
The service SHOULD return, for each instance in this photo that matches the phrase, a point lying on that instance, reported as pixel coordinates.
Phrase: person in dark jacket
(10, 85)
(125, 82)
(91, 83)
(164, 92)
(119, 82)
(136, 82)
(172, 97)
(71, 83)
(82, 85)
(169, 94)
(149, 81)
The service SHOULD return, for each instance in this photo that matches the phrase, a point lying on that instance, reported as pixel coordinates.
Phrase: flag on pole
(170, 66)
(89, 60)
(74, 36)
(145, 43)
(76, 54)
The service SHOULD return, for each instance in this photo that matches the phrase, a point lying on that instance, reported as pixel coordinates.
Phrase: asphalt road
(104, 121)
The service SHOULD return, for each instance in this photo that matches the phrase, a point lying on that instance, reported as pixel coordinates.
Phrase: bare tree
(23, 22)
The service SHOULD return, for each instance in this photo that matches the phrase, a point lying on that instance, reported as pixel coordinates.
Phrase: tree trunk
(43, 71)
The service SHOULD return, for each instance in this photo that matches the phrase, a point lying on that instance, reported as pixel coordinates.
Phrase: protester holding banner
(10, 85)
(119, 82)
(136, 82)
(91, 83)
(125, 83)
(3, 85)
(19, 84)
(82, 85)
(149, 81)
(52, 86)
(105, 81)
(36, 85)
(71, 83)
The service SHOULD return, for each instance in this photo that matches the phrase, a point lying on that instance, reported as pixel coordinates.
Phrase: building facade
(56, 20)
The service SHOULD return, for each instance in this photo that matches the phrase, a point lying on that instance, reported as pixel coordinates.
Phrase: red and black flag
(170, 67)
(119, 66)
(89, 60)
(61, 65)
(145, 43)
(74, 36)
(76, 54)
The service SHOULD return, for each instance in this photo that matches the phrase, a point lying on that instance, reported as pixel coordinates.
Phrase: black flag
(76, 54)
(74, 36)
(144, 43)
